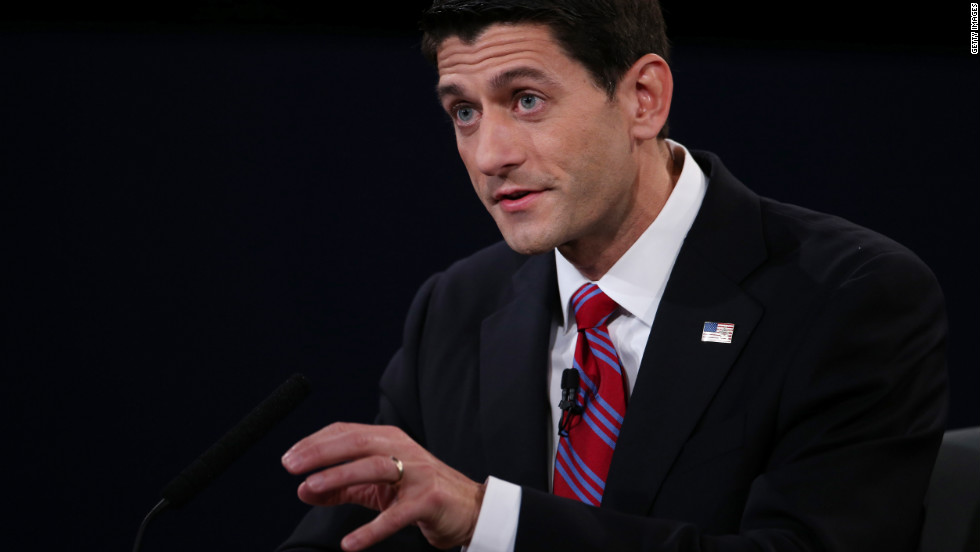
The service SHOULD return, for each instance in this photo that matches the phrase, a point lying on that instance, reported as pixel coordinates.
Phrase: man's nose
(499, 148)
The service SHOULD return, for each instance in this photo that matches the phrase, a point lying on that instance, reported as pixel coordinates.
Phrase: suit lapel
(679, 374)
(514, 351)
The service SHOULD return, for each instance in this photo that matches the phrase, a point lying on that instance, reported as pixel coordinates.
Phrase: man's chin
(529, 247)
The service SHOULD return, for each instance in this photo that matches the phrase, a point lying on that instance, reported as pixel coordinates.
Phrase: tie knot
(592, 307)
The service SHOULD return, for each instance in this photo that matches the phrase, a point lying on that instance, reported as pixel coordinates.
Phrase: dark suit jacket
(815, 429)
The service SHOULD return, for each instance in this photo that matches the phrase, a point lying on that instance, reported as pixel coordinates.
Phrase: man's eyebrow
(448, 90)
(501, 81)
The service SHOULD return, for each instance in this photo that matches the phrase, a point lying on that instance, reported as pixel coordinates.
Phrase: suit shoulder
(820, 244)
(478, 283)
(497, 261)
(832, 247)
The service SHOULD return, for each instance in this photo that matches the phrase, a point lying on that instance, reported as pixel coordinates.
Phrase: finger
(384, 525)
(301, 453)
(373, 469)
(362, 495)
(341, 442)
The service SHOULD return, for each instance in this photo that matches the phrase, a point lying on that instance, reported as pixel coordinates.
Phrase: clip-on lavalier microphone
(568, 404)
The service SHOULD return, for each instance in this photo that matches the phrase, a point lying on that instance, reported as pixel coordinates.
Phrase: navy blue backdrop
(192, 213)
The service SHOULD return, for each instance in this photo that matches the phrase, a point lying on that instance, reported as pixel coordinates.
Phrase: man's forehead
(496, 44)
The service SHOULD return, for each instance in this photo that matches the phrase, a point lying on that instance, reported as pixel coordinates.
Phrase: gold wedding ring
(401, 470)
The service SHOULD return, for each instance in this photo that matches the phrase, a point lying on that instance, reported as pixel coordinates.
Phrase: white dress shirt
(636, 283)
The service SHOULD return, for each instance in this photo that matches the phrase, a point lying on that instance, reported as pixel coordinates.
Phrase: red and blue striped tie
(584, 453)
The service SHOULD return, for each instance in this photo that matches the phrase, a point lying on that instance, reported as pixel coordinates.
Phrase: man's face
(550, 156)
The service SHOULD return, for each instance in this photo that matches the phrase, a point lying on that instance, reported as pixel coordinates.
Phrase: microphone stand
(162, 505)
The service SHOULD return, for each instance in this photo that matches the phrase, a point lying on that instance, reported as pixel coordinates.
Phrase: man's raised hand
(380, 467)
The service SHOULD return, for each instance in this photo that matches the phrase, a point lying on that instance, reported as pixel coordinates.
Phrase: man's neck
(594, 256)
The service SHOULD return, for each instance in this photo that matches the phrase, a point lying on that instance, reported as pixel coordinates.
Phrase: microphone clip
(568, 404)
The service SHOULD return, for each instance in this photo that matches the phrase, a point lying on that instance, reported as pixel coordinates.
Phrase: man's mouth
(516, 195)
(517, 200)
(512, 193)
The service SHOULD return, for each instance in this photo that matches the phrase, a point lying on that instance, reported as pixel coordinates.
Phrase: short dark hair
(605, 36)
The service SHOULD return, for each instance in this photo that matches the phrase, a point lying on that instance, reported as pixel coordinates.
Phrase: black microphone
(568, 404)
(233, 444)
(569, 391)
(226, 450)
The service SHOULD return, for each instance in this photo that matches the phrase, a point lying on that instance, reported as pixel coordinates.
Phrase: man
(762, 376)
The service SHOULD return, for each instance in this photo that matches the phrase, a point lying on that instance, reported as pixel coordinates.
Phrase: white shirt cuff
(496, 526)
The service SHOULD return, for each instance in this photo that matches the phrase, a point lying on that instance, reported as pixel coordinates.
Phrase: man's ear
(649, 86)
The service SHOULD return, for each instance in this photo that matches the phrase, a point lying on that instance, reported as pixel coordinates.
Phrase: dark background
(201, 198)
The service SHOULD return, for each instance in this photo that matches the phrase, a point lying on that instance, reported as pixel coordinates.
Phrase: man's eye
(465, 114)
(529, 102)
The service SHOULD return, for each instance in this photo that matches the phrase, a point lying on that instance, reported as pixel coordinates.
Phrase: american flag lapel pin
(717, 332)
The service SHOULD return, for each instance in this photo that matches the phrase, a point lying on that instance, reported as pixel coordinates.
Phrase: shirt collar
(637, 280)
